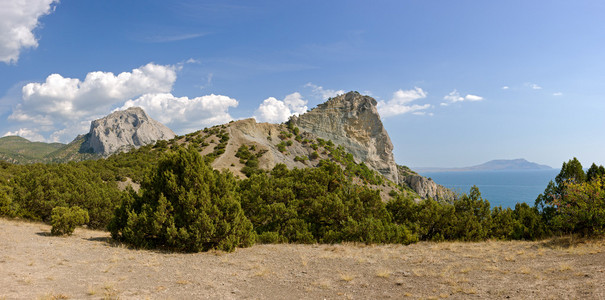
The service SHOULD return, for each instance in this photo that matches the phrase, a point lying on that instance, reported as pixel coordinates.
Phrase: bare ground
(34, 264)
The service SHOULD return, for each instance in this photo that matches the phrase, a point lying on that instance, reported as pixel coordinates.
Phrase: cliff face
(352, 120)
(425, 187)
(122, 130)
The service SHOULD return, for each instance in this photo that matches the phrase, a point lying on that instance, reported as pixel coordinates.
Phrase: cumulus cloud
(60, 98)
(183, 114)
(18, 20)
(400, 103)
(506, 87)
(60, 108)
(273, 110)
(324, 93)
(557, 94)
(454, 96)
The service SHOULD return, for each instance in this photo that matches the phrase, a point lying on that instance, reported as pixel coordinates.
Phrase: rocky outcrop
(352, 120)
(424, 187)
(123, 130)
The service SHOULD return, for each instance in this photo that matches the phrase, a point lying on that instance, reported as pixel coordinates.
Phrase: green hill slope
(16, 149)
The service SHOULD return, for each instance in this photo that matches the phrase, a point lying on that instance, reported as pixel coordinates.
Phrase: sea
(501, 188)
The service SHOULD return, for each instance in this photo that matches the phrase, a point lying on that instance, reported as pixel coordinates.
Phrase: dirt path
(85, 265)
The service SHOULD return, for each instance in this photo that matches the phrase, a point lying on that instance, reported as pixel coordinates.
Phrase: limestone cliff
(352, 120)
(122, 130)
(425, 187)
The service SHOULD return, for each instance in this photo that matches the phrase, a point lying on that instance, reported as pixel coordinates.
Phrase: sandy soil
(35, 265)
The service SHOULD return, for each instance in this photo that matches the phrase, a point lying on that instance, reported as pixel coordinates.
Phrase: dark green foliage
(38, 188)
(595, 172)
(186, 206)
(473, 217)
(354, 169)
(582, 207)
(317, 205)
(65, 219)
(249, 159)
(285, 135)
(528, 223)
(281, 147)
(467, 218)
(571, 171)
(573, 203)
(503, 223)
(314, 155)
(243, 153)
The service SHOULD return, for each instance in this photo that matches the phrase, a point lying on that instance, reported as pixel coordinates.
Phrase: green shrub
(65, 219)
(583, 206)
(185, 206)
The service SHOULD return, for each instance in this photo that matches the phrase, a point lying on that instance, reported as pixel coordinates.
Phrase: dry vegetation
(34, 265)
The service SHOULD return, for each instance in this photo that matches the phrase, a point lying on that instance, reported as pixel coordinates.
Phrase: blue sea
(501, 188)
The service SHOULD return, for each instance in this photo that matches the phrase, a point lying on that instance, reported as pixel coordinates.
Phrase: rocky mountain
(352, 120)
(123, 130)
(346, 129)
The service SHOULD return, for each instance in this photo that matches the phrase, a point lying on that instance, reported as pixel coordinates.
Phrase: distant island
(519, 164)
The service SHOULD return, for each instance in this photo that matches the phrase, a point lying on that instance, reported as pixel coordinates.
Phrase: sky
(458, 83)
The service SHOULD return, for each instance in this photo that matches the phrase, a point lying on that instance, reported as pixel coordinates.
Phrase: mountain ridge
(346, 129)
(519, 164)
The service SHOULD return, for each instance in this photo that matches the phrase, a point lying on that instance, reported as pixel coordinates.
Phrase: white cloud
(18, 19)
(61, 108)
(533, 86)
(557, 94)
(324, 93)
(470, 97)
(183, 114)
(276, 111)
(61, 98)
(506, 87)
(400, 103)
(29, 134)
(454, 96)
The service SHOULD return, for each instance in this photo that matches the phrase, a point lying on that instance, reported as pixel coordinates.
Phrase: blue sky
(458, 82)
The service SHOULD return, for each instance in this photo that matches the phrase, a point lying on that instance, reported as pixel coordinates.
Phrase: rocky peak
(352, 120)
(125, 129)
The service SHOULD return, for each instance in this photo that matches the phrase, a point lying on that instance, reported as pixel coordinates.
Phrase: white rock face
(352, 120)
(123, 130)
(425, 187)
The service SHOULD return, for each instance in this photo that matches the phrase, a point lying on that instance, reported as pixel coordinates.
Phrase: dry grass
(558, 268)
(346, 277)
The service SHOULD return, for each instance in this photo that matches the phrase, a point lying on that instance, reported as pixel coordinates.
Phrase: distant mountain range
(519, 164)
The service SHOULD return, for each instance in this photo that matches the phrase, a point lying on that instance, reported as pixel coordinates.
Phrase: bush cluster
(65, 219)
(185, 205)
(317, 205)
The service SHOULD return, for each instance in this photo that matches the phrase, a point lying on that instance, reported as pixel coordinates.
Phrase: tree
(583, 206)
(571, 171)
(594, 172)
(186, 206)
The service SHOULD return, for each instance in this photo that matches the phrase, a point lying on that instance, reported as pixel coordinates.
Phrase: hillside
(347, 129)
(16, 149)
